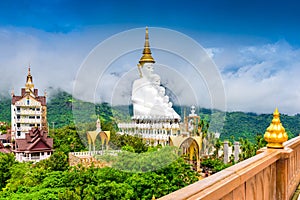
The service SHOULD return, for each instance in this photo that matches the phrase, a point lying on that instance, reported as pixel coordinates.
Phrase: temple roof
(29, 90)
(3, 149)
(36, 140)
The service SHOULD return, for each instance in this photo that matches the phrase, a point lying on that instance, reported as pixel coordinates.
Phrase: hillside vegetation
(236, 124)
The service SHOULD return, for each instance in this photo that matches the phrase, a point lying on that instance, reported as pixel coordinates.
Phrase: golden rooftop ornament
(29, 86)
(275, 134)
(147, 57)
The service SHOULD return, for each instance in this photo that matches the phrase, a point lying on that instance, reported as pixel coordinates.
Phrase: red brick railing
(272, 174)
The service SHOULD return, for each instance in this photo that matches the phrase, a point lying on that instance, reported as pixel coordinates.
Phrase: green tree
(248, 149)
(6, 162)
(135, 142)
(214, 164)
(58, 161)
(218, 146)
(66, 139)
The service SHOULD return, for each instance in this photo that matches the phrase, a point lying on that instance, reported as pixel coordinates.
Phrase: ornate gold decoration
(29, 81)
(147, 57)
(275, 134)
(92, 135)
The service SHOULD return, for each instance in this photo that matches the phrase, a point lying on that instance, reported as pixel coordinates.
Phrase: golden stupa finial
(29, 81)
(275, 134)
(29, 77)
(147, 57)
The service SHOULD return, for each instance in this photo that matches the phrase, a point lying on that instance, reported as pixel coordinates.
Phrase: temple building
(28, 110)
(36, 146)
(154, 118)
(30, 141)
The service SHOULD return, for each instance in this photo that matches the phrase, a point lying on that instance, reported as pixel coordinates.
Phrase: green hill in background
(5, 103)
(236, 124)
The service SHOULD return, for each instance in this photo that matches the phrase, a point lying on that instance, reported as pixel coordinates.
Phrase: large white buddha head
(147, 70)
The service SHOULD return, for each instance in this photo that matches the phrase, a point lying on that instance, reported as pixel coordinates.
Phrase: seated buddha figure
(148, 96)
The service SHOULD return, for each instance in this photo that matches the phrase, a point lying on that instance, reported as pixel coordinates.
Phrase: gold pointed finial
(275, 134)
(147, 57)
(29, 81)
(29, 77)
(153, 197)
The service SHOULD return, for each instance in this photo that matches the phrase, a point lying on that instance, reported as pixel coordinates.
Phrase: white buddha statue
(148, 96)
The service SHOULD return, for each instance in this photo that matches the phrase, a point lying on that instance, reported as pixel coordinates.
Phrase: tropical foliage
(138, 172)
(5, 102)
(54, 179)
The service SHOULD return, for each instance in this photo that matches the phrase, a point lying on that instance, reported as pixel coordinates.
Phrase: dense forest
(54, 179)
(140, 172)
(236, 124)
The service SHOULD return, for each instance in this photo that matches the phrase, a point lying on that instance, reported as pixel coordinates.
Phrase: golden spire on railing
(275, 134)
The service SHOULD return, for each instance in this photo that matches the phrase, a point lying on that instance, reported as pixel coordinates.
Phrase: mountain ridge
(237, 124)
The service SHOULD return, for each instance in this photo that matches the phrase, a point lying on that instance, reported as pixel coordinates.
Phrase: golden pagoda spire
(147, 57)
(275, 134)
(29, 81)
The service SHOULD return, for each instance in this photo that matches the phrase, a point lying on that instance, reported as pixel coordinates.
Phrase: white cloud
(257, 77)
(260, 78)
(54, 57)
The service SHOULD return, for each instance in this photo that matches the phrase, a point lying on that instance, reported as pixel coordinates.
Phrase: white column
(236, 151)
(225, 151)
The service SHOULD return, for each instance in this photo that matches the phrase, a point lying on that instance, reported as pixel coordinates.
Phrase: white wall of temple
(36, 157)
(145, 130)
(153, 133)
(23, 118)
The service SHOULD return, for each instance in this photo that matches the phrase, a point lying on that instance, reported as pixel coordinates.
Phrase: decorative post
(275, 134)
(225, 151)
(236, 151)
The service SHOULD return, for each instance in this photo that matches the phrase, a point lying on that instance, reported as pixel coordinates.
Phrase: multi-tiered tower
(28, 110)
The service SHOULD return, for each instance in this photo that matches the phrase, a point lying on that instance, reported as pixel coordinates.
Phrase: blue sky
(272, 20)
(255, 44)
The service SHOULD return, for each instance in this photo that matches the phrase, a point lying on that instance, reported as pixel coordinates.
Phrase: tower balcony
(28, 121)
(28, 112)
(23, 129)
